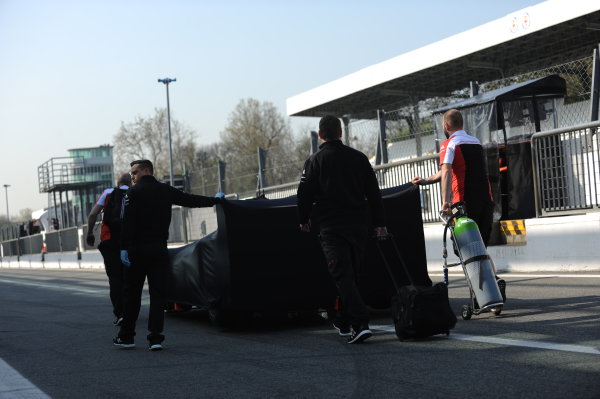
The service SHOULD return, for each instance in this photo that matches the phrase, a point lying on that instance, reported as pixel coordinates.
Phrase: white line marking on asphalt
(511, 342)
(525, 275)
(14, 386)
(53, 286)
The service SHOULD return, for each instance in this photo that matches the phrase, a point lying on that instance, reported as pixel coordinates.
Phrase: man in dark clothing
(144, 248)
(337, 180)
(110, 241)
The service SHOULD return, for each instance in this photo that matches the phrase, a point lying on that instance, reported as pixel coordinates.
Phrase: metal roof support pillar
(54, 207)
(314, 142)
(262, 160)
(68, 213)
(62, 215)
(346, 121)
(382, 143)
(222, 167)
(595, 91)
(84, 204)
(474, 88)
(416, 130)
(81, 210)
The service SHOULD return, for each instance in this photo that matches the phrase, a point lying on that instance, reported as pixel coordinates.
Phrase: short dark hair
(144, 164)
(330, 127)
(454, 119)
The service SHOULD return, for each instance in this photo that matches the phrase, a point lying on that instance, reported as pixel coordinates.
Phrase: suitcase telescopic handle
(389, 237)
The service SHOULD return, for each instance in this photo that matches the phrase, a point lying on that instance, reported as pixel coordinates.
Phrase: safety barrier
(401, 172)
(22, 246)
(391, 175)
(566, 176)
(566, 170)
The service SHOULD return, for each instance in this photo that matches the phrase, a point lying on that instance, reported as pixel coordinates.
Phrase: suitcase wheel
(497, 311)
(466, 312)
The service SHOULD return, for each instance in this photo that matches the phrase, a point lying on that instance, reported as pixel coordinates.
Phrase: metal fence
(402, 172)
(23, 246)
(566, 170)
(391, 175)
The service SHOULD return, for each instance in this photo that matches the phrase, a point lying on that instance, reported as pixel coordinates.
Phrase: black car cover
(258, 260)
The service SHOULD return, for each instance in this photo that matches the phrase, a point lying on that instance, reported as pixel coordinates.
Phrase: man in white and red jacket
(110, 204)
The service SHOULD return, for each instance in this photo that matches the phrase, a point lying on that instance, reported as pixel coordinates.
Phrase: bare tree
(148, 138)
(253, 124)
(204, 178)
(24, 215)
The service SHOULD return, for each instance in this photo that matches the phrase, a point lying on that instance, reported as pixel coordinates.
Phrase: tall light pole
(166, 81)
(6, 186)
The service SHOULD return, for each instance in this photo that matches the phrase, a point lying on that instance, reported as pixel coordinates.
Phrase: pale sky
(72, 71)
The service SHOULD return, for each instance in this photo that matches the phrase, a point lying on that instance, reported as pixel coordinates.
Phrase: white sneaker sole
(125, 346)
(360, 337)
(342, 333)
(155, 347)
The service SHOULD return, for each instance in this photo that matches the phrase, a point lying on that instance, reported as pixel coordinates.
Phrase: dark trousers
(149, 260)
(482, 212)
(114, 270)
(344, 250)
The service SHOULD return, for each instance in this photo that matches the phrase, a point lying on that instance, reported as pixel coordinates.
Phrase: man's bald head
(124, 180)
(453, 120)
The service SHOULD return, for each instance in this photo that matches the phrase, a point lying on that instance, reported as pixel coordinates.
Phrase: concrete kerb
(59, 260)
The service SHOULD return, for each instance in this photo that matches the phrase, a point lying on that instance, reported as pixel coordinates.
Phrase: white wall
(554, 244)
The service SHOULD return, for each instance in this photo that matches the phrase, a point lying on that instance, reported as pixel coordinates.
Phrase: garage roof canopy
(537, 37)
(552, 85)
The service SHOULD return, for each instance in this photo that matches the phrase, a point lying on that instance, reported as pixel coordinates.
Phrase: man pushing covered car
(337, 179)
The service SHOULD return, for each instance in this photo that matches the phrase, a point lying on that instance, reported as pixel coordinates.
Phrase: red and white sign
(514, 24)
(525, 21)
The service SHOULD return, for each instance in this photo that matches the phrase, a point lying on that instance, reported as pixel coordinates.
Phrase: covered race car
(259, 261)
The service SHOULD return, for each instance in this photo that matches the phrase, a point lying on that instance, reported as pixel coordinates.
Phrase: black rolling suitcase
(418, 311)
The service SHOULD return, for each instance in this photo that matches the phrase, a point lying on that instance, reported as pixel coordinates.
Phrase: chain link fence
(410, 133)
(574, 109)
(205, 180)
(363, 135)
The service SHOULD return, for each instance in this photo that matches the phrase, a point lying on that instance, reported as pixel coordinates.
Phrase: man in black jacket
(144, 252)
(337, 180)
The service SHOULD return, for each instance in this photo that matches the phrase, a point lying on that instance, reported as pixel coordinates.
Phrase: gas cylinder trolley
(476, 263)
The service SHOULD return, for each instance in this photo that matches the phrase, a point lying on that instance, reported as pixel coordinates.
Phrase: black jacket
(338, 179)
(147, 213)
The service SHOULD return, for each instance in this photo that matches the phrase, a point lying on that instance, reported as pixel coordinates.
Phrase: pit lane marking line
(14, 386)
(53, 286)
(510, 342)
(526, 275)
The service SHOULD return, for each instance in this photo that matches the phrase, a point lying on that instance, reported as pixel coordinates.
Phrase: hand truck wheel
(466, 312)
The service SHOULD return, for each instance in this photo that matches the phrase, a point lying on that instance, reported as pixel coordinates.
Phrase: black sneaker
(502, 285)
(155, 347)
(124, 342)
(118, 321)
(359, 334)
(343, 328)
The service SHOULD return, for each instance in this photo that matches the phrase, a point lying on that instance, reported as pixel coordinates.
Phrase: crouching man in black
(145, 230)
(337, 180)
